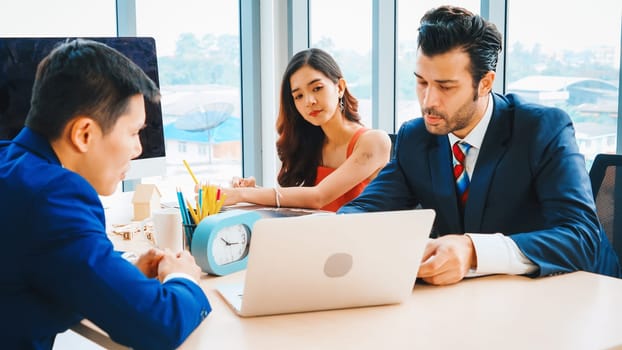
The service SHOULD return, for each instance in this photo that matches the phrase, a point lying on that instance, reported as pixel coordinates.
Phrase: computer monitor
(19, 58)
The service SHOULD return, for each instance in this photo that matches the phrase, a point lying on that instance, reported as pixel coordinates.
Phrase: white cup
(167, 229)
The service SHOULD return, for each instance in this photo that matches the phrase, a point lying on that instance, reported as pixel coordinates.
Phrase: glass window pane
(198, 45)
(409, 14)
(343, 29)
(573, 65)
(60, 18)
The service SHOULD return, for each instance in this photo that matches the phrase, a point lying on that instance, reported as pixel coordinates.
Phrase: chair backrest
(606, 178)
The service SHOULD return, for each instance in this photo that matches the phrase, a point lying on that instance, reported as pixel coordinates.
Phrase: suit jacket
(529, 182)
(58, 265)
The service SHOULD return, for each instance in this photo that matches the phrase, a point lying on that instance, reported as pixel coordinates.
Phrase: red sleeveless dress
(323, 172)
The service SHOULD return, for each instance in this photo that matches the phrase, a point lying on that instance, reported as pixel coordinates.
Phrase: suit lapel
(443, 185)
(493, 148)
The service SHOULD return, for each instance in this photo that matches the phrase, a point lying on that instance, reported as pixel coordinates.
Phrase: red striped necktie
(460, 149)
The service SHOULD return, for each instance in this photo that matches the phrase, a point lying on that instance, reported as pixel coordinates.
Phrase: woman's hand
(243, 181)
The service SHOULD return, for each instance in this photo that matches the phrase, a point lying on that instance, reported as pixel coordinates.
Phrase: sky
(582, 24)
(57, 18)
(555, 24)
(166, 19)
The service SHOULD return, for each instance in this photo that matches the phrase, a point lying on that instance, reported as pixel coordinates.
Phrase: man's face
(108, 158)
(449, 103)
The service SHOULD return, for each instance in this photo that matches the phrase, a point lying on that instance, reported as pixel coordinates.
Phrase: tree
(209, 60)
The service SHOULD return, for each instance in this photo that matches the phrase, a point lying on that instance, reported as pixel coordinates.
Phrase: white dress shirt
(496, 253)
(172, 275)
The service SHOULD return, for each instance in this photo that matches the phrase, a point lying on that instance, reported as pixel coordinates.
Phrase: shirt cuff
(498, 254)
(172, 275)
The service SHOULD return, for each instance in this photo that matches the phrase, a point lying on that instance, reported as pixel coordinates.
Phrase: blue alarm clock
(220, 242)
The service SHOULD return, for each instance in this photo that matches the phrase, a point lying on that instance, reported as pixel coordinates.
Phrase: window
(60, 18)
(198, 47)
(409, 14)
(182, 147)
(343, 29)
(203, 149)
(573, 65)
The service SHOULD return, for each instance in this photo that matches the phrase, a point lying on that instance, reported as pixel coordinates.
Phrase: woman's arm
(370, 154)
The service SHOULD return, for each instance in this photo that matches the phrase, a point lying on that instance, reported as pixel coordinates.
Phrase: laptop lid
(327, 261)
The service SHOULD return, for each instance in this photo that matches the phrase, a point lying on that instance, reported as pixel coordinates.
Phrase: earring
(341, 106)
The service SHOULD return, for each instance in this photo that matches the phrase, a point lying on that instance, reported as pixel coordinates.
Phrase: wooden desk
(573, 311)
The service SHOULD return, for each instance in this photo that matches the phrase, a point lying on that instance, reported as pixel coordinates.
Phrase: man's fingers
(445, 278)
(429, 250)
(431, 266)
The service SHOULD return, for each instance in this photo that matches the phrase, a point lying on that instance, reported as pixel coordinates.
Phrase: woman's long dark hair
(299, 145)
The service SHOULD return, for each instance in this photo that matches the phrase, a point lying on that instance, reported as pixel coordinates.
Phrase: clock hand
(230, 243)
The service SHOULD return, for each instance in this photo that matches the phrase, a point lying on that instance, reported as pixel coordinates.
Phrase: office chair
(606, 178)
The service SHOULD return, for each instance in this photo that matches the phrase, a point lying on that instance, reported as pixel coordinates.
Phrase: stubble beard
(461, 119)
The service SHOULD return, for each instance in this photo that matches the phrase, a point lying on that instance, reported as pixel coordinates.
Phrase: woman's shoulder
(375, 135)
(374, 138)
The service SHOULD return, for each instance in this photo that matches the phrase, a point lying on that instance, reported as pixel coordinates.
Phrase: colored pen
(190, 172)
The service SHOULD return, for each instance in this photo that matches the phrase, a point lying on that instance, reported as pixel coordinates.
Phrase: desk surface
(573, 311)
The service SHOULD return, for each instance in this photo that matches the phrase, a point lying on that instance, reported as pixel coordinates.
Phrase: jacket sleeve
(571, 237)
(75, 265)
(390, 189)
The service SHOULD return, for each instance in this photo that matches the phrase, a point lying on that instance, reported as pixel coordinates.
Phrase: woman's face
(316, 97)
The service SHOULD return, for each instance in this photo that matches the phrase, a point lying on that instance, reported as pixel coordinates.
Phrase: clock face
(230, 244)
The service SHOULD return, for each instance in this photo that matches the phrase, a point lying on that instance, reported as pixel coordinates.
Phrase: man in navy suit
(81, 132)
(505, 178)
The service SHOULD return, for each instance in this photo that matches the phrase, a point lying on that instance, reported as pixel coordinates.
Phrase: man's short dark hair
(84, 77)
(448, 27)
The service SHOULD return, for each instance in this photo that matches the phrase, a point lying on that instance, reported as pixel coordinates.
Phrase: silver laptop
(328, 261)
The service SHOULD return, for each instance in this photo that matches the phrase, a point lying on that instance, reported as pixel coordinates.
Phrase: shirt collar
(476, 137)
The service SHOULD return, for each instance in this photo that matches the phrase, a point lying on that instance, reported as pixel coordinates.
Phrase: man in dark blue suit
(505, 178)
(81, 132)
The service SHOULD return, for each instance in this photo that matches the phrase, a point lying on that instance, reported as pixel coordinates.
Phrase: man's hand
(447, 259)
(182, 262)
(148, 262)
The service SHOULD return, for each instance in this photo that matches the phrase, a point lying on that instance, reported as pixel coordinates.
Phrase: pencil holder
(188, 233)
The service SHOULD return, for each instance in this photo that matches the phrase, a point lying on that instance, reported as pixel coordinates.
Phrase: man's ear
(486, 83)
(81, 132)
